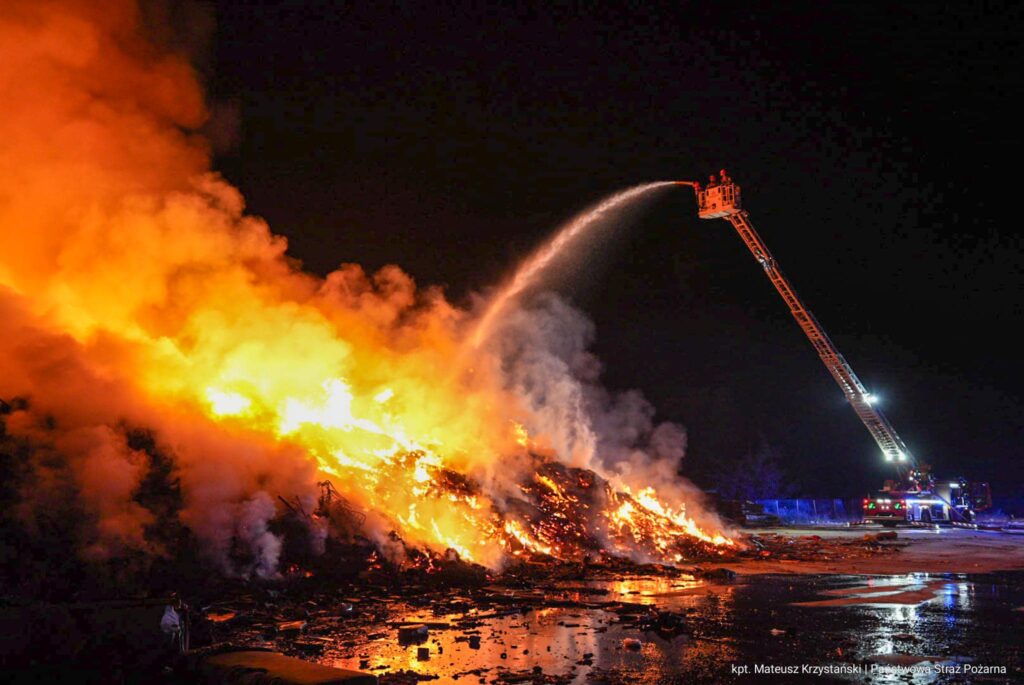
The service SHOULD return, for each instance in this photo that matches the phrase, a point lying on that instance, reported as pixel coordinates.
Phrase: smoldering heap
(168, 372)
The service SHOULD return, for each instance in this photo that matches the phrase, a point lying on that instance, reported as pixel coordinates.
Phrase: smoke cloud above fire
(138, 298)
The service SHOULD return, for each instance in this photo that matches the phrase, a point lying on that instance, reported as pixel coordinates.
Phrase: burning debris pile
(566, 523)
(574, 513)
(138, 298)
(562, 514)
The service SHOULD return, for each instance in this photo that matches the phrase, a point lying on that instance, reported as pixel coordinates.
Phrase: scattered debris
(413, 633)
(664, 623)
(723, 574)
(815, 548)
(405, 677)
(291, 626)
(220, 616)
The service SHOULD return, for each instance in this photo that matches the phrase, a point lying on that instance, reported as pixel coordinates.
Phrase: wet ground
(823, 606)
(802, 606)
(912, 628)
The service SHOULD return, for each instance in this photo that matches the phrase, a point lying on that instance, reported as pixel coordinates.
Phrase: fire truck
(915, 497)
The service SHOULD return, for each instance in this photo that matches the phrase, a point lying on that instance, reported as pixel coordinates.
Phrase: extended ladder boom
(722, 200)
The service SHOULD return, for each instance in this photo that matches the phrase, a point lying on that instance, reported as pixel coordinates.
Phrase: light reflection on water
(752, 620)
(896, 640)
(565, 641)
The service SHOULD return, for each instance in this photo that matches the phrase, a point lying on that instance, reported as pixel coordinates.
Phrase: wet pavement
(912, 628)
(776, 614)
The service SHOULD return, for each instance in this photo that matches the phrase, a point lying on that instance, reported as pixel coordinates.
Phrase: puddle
(886, 592)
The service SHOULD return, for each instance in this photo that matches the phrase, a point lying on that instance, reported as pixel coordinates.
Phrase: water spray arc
(534, 266)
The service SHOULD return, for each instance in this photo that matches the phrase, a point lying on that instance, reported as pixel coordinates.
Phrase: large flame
(177, 310)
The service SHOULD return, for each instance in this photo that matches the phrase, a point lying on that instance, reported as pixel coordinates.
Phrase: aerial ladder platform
(720, 199)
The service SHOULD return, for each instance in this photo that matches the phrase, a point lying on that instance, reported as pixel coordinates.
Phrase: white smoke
(544, 347)
(546, 361)
(253, 531)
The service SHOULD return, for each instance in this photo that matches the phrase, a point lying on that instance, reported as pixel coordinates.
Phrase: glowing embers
(527, 541)
(572, 513)
(648, 499)
(435, 505)
(558, 510)
(644, 524)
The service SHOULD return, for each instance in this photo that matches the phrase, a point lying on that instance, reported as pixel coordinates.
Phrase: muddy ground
(812, 605)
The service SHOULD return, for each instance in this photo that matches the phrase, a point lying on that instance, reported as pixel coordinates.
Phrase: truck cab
(943, 502)
(886, 507)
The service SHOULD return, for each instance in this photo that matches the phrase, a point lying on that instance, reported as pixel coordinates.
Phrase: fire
(551, 485)
(522, 436)
(119, 243)
(388, 453)
(526, 540)
(648, 499)
(644, 521)
(226, 403)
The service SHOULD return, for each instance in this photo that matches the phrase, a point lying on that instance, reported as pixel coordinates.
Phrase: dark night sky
(877, 149)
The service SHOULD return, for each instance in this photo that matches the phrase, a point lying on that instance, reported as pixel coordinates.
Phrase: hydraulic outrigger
(917, 495)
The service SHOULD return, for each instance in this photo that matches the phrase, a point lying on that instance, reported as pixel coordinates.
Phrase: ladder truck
(916, 497)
